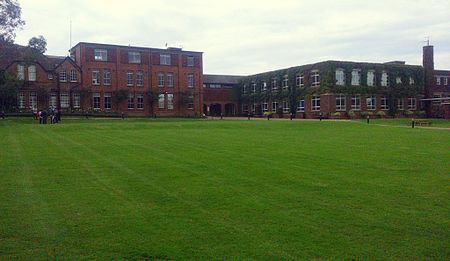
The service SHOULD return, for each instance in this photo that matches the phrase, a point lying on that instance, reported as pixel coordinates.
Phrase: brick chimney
(428, 66)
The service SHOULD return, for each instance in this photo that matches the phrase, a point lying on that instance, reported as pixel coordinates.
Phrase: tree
(10, 20)
(152, 97)
(8, 92)
(120, 96)
(38, 43)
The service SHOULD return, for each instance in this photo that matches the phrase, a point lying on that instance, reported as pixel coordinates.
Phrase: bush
(409, 113)
(351, 114)
(336, 114)
(381, 113)
(422, 114)
(267, 114)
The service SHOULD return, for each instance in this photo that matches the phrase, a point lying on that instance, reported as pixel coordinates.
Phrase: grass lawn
(197, 189)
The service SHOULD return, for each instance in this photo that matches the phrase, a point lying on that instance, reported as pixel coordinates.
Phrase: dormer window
(31, 73)
(411, 81)
(356, 77)
(384, 79)
(398, 80)
(285, 82)
(340, 77)
(165, 59)
(100, 54)
(134, 57)
(299, 80)
(371, 78)
(315, 78)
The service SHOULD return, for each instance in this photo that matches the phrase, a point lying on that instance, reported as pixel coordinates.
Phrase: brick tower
(428, 65)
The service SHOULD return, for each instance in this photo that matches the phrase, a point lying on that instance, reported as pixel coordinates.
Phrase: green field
(211, 189)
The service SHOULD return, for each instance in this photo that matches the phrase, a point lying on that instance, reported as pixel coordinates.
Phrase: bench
(422, 122)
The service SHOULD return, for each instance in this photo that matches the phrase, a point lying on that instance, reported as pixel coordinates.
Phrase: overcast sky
(246, 37)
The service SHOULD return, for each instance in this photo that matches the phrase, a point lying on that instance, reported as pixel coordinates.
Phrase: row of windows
(136, 101)
(371, 102)
(135, 57)
(52, 100)
(73, 74)
(442, 80)
(299, 82)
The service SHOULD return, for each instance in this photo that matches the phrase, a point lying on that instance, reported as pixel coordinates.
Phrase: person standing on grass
(39, 114)
(2, 114)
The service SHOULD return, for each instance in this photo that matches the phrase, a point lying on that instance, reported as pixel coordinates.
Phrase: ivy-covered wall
(328, 82)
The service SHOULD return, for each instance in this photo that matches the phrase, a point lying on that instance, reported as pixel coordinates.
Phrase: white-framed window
(62, 76)
(371, 78)
(190, 104)
(384, 79)
(412, 103)
(96, 101)
(190, 80)
(356, 102)
(340, 77)
(299, 80)
(253, 87)
(20, 72)
(95, 77)
(50, 76)
(315, 78)
(32, 73)
(134, 57)
(130, 101)
(274, 84)
(384, 104)
(190, 61)
(33, 100)
(106, 77)
(107, 99)
(398, 80)
(371, 103)
(438, 80)
(445, 80)
(340, 102)
(400, 105)
(140, 101)
(274, 106)
(264, 86)
(161, 99)
(285, 106)
(315, 103)
(73, 76)
(53, 100)
(301, 106)
(130, 78)
(64, 99)
(21, 100)
(356, 77)
(411, 81)
(76, 100)
(160, 79)
(215, 86)
(245, 108)
(244, 89)
(170, 101)
(165, 59)
(254, 108)
(100, 54)
(285, 82)
(265, 107)
(140, 78)
(170, 80)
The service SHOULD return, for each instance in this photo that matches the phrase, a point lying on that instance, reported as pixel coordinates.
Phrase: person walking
(39, 114)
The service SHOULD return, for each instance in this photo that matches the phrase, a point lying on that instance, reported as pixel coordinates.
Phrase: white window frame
(356, 102)
(170, 80)
(32, 73)
(53, 100)
(95, 77)
(411, 81)
(285, 83)
(400, 104)
(371, 78)
(264, 86)
(371, 103)
(130, 78)
(32, 100)
(170, 101)
(301, 105)
(140, 101)
(398, 80)
(76, 100)
(340, 77)
(107, 101)
(130, 102)
(265, 107)
(21, 100)
(438, 80)
(384, 79)
(286, 107)
(274, 84)
(356, 77)
(106, 77)
(161, 101)
(274, 106)
(299, 80)
(139, 78)
(73, 76)
(64, 100)
(384, 105)
(63, 76)
(315, 78)
(134, 57)
(412, 103)
(190, 80)
(96, 101)
(190, 61)
(101, 55)
(341, 102)
(253, 87)
(20, 72)
(165, 59)
(315, 103)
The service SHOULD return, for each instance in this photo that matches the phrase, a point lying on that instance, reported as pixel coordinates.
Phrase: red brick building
(218, 95)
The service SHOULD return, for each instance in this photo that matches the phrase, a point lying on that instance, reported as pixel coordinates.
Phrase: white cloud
(244, 37)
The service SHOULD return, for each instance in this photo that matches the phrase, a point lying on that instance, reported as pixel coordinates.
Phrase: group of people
(53, 116)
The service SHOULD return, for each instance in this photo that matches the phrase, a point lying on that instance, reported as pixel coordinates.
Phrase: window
(76, 100)
(190, 61)
(398, 80)
(53, 100)
(301, 106)
(274, 106)
(95, 77)
(96, 101)
(50, 76)
(315, 78)
(190, 105)
(100, 55)
(445, 81)
(384, 104)
(253, 87)
(299, 80)
(371, 103)
(33, 100)
(31, 73)
(438, 80)
(245, 108)
(254, 108)
(356, 77)
(412, 103)
(356, 102)
(21, 100)
(140, 78)
(400, 104)
(190, 80)
(134, 57)
(315, 103)
(164, 59)
(274, 84)
(64, 99)
(244, 89)
(170, 101)
(140, 101)
(130, 101)
(106, 77)
(20, 72)
(384, 79)
(170, 79)
(215, 86)
(264, 86)
(265, 107)
(160, 79)
(371, 78)
(107, 99)
(73, 76)
(340, 77)
(63, 76)
(161, 101)
(130, 78)
(285, 83)
(340, 102)
(411, 81)
(285, 106)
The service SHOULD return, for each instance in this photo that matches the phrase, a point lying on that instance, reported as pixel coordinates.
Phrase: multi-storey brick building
(218, 95)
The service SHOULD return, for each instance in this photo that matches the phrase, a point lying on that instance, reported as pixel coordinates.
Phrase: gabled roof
(11, 53)
(224, 79)
(67, 58)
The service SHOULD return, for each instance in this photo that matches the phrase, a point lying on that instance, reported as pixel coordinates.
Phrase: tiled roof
(10, 53)
(227, 79)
